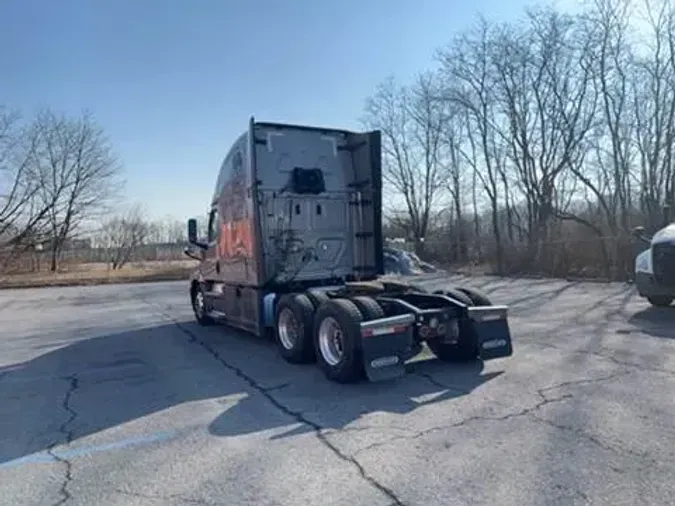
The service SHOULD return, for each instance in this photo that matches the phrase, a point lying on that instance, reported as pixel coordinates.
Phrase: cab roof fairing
(223, 173)
(666, 234)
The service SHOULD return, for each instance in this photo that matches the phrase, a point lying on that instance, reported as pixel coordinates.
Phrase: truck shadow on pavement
(302, 394)
(315, 403)
(655, 321)
(99, 383)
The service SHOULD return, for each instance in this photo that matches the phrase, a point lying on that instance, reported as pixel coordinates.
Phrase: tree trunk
(54, 256)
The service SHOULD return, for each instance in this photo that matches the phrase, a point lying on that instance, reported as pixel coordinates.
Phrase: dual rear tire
(293, 323)
(465, 349)
(311, 327)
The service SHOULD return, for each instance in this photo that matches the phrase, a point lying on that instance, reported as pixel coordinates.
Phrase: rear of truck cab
(311, 199)
(319, 203)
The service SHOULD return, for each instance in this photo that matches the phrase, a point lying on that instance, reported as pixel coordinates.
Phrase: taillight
(378, 331)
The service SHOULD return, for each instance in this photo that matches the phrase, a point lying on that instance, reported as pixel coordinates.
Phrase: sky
(173, 83)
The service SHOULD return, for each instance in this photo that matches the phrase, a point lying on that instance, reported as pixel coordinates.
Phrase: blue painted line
(44, 457)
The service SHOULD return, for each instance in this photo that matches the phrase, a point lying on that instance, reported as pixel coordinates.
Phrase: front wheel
(660, 300)
(200, 306)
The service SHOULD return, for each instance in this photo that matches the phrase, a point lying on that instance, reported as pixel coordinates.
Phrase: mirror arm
(638, 233)
(201, 245)
(190, 254)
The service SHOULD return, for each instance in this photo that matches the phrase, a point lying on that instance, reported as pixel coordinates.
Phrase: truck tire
(317, 297)
(402, 286)
(293, 328)
(200, 305)
(660, 300)
(337, 340)
(369, 307)
(477, 297)
(455, 294)
(466, 348)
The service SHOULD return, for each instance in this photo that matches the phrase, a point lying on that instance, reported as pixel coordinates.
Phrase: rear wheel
(477, 297)
(402, 286)
(369, 307)
(293, 328)
(465, 349)
(458, 295)
(317, 297)
(337, 340)
(660, 300)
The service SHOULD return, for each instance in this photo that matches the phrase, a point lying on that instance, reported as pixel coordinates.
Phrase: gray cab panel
(315, 235)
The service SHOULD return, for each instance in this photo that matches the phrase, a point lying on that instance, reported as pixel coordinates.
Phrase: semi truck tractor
(655, 266)
(294, 249)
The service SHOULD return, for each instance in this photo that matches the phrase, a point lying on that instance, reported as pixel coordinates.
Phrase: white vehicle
(655, 267)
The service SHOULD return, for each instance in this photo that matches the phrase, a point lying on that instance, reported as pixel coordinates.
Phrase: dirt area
(100, 273)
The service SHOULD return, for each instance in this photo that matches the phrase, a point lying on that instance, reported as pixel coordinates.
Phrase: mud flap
(385, 343)
(491, 329)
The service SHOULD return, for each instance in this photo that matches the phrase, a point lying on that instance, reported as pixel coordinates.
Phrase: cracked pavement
(112, 395)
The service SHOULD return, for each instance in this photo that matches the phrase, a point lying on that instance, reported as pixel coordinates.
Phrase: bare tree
(123, 234)
(14, 195)
(21, 213)
(169, 230)
(455, 181)
(608, 27)
(77, 172)
(468, 83)
(654, 110)
(411, 119)
(562, 124)
(545, 82)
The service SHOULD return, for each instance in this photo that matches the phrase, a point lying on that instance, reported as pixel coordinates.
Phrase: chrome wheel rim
(289, 328)
(199, 304)
(331, 341)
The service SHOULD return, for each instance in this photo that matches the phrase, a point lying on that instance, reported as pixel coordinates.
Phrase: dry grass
(97, 274)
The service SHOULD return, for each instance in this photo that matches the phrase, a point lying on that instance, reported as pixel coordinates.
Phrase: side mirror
(192, 230)
(192, 234)
(638, 231)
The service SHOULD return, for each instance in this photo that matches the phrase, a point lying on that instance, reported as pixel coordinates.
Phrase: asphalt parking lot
(111, 395)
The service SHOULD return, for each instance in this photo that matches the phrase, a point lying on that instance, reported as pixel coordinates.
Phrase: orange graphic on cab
(236, 239)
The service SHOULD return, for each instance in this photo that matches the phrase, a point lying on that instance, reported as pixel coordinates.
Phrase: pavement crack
(68, 435)
(533, 340)
(165, 497)
(366, 428)
(296, 415)
(592, 439)
(277, 387)
(580, 432)
(476, 418)
(531, 411)
(583, 381)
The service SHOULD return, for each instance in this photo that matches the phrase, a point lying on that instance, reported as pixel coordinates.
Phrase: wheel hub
(331, 342)
(199, 304)
(289, 328)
